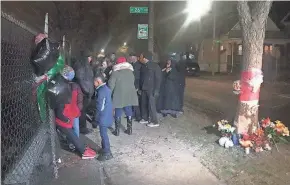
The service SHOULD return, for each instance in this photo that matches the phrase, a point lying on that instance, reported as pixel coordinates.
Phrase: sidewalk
(176, 153)
(151, 156)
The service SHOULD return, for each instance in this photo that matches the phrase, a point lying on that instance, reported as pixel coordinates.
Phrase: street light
(195, 9)
(102, 51)
(125, 43)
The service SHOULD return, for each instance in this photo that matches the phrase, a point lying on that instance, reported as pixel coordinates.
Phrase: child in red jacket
(67, 114)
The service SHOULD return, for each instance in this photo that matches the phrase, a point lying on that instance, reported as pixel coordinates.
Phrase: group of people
(112, 85)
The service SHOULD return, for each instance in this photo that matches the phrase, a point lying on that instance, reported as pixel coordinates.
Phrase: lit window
(240, 50)
(266, 48)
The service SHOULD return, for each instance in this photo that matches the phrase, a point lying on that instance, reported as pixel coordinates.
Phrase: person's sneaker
(91, 150)
(153, 125)
(89, 154)
(142, 121)
(104, 156)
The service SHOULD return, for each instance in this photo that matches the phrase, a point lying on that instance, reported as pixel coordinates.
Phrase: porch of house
(276, 58)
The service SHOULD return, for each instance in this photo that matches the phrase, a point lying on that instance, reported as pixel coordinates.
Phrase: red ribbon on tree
(250, 84)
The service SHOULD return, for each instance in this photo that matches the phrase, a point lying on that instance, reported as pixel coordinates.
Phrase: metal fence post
(53, 142)
(64, 49)
(46, 25)
(51, 119)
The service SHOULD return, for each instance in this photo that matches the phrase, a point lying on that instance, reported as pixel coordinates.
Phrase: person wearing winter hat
(68, 73)
(67, 116)
(124, 94)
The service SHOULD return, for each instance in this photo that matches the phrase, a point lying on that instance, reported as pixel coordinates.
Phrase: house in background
(226, 54)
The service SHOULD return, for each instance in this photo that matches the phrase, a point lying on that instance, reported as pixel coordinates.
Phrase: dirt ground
(212, 99)
(183, 150)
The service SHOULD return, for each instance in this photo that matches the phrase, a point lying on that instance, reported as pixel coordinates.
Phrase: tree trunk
(252, 18)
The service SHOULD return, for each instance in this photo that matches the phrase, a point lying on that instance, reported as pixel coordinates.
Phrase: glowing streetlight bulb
(197, 9)
(102, 50)
(125, 43)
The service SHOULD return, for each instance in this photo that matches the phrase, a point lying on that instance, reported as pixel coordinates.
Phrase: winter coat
(108, 72)
(121, 83)
(170, 98)
(104, 107)
(181, 68)
(137, 68)
(65, 113)
(84, 76)
(150, 77)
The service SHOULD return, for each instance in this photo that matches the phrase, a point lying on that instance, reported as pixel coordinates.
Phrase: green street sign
(139, 10)
(142, 31)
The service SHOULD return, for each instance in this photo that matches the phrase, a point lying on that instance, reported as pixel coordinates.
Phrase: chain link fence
(27, 130)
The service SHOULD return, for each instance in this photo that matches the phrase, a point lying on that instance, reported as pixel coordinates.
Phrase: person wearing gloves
(66, 116)
(150, 79)
(124, 93)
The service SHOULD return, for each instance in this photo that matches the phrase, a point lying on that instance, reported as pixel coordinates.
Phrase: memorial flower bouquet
(225, 128)
(275, 131)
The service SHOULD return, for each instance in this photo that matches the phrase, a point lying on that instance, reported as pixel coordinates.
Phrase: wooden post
(214, 46)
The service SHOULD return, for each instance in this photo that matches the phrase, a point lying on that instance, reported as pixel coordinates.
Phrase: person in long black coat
(169, 102)
(181, 68)
(85, 78)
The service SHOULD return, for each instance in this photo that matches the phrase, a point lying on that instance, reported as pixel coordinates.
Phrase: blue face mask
(70, 76)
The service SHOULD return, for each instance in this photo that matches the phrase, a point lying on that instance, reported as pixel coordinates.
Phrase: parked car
(192, 68)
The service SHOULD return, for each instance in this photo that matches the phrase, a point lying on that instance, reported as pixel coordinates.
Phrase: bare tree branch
(261, 10)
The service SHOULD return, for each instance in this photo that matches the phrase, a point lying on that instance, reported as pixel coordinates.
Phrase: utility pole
(214, 48)
(151, 27)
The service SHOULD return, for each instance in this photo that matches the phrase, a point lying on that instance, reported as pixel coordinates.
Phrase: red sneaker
(91, 150)
(89, 154)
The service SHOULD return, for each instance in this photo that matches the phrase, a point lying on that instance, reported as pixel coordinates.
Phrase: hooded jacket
(65, 113)
(122, 85)
(104, 108)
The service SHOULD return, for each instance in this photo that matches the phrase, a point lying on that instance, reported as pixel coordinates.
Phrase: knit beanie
(68, 73)
(121, 60)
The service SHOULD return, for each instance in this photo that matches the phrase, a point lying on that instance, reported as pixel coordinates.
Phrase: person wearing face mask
(67, 116)
(150, 79)
(169, 99)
